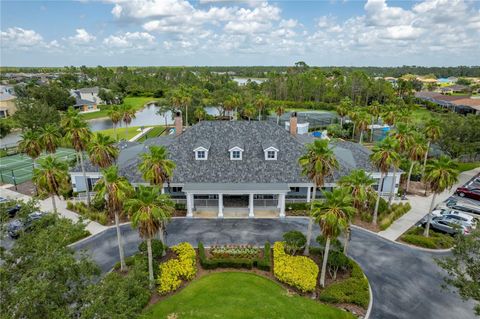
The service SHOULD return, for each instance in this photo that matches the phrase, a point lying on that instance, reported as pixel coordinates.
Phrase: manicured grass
(462, 167)
(236, 295)
(137, 103)
(132, 131)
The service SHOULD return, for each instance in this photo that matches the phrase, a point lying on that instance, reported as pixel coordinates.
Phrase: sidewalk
(46, 206)
(420, 206)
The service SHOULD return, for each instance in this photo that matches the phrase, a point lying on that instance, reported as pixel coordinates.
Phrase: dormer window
(236, 154)
(270, 151)
(201, 155)
(201, 150)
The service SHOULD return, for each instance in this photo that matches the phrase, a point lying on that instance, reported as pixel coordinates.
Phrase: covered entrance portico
(235, 199)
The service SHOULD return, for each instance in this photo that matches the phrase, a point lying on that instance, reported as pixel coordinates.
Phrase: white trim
(275, 154)
(271, 148)
(236, 149)
(205, 152)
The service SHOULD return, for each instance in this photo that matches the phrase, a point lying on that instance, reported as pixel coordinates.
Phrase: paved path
(405, 281)
(420, 206)
(47, 206)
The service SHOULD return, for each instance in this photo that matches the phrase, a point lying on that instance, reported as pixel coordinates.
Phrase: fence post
(14, 180)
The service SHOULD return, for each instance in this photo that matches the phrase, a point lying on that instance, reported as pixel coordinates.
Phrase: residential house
(452, 89)
(461, 104)
(237, 168)
(7, 101)
(86, 99)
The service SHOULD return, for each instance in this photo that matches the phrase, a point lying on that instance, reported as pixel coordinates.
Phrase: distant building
(86, 99)
(451, 89)
(7, 101)
(461, 104)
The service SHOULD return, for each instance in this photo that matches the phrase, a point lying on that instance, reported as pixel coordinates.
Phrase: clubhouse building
(236, 168)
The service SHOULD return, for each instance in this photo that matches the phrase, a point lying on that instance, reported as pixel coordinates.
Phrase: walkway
(420, 206)
(406, 282)
(47, 206)
(141, 134)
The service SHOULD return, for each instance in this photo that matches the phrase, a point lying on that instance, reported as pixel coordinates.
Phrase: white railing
(265, 203)
(295, 200)
(206, 202)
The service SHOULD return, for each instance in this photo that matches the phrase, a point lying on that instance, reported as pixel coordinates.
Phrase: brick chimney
(293, 123)
(178, 123)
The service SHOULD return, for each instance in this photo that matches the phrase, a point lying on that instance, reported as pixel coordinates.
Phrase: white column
(281, 200)
(250, 206)
(162, 190)
(309, 194)
(220, 205)
(189, 205)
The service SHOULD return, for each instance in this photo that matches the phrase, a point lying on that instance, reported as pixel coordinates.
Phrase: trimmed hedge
(297, 206)
(83, 210)
(436, 240)
(213, 263)
(396, 211)
(297, 271)
(353, 290)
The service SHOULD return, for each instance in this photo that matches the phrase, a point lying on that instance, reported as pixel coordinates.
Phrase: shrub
(436, 240)
(157, 248)
(335, 245)
(351, 290)
(294, 241)
(336, 261)
(180, 206)
(266, 262)
(297, 206)
(234, 251)
(231, 262)
(298, 271)
(396, 211)
(174, 270)
(90, 213)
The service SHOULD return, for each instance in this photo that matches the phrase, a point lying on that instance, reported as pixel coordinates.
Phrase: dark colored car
(15, 227)
(470, 192)
(12, 211)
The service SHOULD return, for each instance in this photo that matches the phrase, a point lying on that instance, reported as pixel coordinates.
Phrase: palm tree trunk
(54, 204)
(161, 237)
(119, 242)
(347, 238)
(353, 132)
(371, 130)
(392, 187)
(278, 119)
(429, 219)
(379, 190)
(126, 131)
(115, 131)
(150, 263)
(310, 223)
(341, 121)
(425, 164)
(361, 137)
(409, 176)
(324, 262)
(80, 154)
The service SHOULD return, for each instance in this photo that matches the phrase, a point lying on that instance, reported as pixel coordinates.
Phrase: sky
(240, 32)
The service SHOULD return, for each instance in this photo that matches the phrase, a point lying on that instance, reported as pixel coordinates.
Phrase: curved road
(406, 282)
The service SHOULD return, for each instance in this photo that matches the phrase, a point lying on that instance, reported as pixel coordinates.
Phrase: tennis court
(16, 169)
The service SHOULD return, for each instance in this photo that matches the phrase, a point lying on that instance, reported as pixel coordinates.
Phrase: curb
(370, 303)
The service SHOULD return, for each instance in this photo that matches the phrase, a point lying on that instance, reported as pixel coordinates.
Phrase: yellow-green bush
(298, 271)
(174, 270)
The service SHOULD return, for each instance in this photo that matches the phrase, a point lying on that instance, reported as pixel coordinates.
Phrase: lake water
(243, 81)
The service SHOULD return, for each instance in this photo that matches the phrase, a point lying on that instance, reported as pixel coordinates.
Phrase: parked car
(12, 211)
(450, 226)
(453, 203)
(469, 191)
(453, 214)
(16, 226)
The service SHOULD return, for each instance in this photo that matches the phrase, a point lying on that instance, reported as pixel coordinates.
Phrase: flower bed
(234, 251)
(247, 257)
(174, 270)
(297, 271)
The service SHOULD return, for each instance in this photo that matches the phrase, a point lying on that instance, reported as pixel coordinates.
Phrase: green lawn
(462, 167)
(421, 115)
(237, 295)
(132, 131)
(136, 102)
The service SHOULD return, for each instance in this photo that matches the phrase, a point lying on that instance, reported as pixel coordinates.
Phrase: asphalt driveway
(406, 282)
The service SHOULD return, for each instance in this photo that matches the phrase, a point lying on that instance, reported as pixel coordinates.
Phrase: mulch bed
(26, 188)
(367, 225)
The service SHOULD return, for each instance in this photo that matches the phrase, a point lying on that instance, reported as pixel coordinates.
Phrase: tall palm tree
(50, 138)
(186, 100)
(404, 137)
(68, 117)
(231, 103)
(333, 215)
(116, 117)
(361, 122)
(317, 163)
(128, 114)
(384, 156)
(360, 186)
(199, 113)
(115, 189)
(343, 109)
(78, 134)
(155, 166)
(102, 151)
(432, 132)
(374, 110)
(260, 103)
(440, 174)
(353, 115)
(149, 212)
(249, 111)
(51, 177)
(279, 110)
(30, 144)
(389, 114)
(416, 151)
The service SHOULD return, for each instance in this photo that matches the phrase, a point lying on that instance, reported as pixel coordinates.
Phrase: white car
(451, 214)
(460, 206)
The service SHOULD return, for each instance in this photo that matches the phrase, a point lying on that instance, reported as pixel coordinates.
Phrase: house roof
(93, 90)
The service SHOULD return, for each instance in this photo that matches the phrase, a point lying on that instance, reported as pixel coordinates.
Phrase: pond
(243, 81)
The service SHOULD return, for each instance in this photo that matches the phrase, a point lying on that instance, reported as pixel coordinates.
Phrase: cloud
(137, 40)
(21, 38)
(82, 37)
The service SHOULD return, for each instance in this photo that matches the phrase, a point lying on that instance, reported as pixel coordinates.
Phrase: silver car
(450, 226)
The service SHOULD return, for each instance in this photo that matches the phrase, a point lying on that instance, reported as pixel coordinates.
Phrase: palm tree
(116, 117)
(51, 177)
(149, 212)
(384, 155)
(155, 166)
(440, 174)
(333, 215)
(317, 163)
(404, 137)
(30, 144)
(68, 117)
(361, 122)
(127, 114)
(389, 114)
(79, 135)
(249, 111)
(353, 114)
(360, 186)
(186, 101)
(279, 110)
(200, 113)
(260, 103)
(231, 103)
(50, 137)
(374, 110)
(432, 132)
(115, 189)
(416, 151)
(102, 151)
(343, 109)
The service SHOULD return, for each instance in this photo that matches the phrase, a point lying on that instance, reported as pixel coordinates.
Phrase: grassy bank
(132, 131)
(462, 167)
(136, 103)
